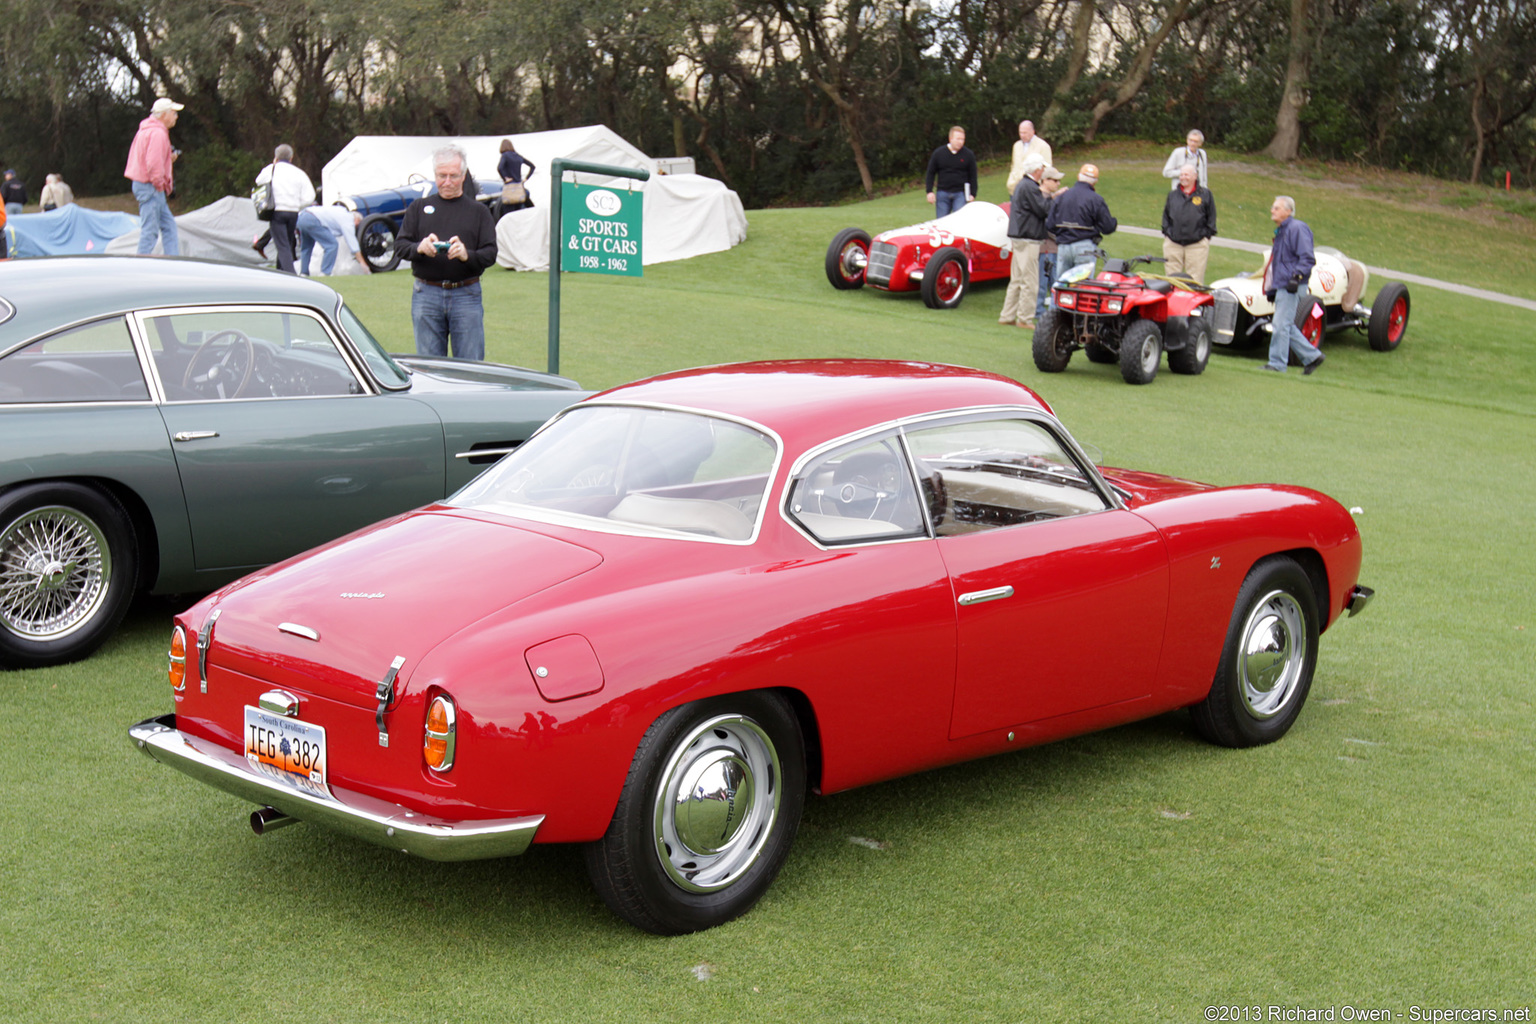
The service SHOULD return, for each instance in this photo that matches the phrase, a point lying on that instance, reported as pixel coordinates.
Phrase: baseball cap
(1088, 172)
(1053, 174)
(162, 105)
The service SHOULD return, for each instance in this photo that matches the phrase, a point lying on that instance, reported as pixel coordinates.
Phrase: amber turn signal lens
(442, 722)
(177, 669)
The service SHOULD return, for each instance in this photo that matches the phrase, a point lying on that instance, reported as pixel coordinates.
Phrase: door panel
(1082, 628)
(268, 478)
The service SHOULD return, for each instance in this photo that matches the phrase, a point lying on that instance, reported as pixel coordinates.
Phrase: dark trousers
(285, 225)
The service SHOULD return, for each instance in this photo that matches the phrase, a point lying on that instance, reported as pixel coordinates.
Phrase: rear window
(655, 470)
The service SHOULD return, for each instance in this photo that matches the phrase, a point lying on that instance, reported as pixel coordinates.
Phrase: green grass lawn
(1379, 856)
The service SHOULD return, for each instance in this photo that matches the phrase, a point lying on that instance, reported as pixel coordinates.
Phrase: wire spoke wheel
(55, 570)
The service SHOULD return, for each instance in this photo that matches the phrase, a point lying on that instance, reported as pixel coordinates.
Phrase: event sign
(600, 229)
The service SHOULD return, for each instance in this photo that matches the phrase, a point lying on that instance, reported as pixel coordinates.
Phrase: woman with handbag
(514, 186)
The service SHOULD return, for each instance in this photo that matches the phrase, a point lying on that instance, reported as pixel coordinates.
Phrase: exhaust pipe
(269, 819)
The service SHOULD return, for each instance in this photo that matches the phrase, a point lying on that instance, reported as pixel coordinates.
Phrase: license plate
(286, 749)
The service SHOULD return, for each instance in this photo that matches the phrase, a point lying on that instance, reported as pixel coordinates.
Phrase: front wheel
(68, 567)
(1267, 662)
(945, 279)
(1191, 359)
(706, 816)
(376, 240)
(848, 259)
(1141, 347)
(1053, 340)
(1389, 317)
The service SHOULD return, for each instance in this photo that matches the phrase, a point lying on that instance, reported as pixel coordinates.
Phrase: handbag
(514, 193)
(263, 199)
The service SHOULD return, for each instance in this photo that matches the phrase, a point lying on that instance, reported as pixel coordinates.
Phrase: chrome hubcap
(717, 803)
(1149, 354)
(54, 571)
(1273, 654)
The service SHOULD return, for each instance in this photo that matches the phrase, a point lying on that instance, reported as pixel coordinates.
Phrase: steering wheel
(236, 362)
(866, 484)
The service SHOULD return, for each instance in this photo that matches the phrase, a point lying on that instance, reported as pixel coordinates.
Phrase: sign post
(592, 229)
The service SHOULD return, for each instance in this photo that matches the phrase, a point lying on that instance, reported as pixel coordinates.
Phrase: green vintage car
(169, 425)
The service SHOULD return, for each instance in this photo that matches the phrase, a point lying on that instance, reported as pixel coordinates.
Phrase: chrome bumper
(1359, 597)
(376, 821)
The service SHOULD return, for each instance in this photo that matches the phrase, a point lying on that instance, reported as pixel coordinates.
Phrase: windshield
(657, 469)
(384, 369)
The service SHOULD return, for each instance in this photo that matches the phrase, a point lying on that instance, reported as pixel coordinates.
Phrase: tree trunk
(1131, 84)
(1479, 130)
(1082, 31)
(1287, 141)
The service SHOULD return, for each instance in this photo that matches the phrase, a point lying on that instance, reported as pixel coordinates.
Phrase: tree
(1286, 144)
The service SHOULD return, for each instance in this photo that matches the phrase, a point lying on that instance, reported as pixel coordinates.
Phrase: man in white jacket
(292, 191)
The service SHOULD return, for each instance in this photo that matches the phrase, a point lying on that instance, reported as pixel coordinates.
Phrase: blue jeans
(312, 232)
(1287, 339)
(155, 221)
(441, 314)
(1070, 254)
(1047, 275)
(13, 209)
(947, 202)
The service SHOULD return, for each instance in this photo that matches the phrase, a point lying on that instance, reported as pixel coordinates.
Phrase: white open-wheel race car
(1242, 315)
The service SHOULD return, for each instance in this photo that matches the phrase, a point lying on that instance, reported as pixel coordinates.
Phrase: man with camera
(450, 239)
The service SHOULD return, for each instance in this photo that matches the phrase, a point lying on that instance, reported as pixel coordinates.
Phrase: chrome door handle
(193, 435)
(980, 596)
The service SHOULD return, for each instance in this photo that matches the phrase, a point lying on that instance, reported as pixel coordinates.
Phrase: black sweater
(466, 217)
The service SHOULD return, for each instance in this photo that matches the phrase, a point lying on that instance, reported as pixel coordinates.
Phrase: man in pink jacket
(149, 168)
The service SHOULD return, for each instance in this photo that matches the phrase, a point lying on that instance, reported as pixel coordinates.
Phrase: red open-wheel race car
(941, 258)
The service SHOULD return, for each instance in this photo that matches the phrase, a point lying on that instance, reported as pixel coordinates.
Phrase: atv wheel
(1140, 349)
(1053, 341)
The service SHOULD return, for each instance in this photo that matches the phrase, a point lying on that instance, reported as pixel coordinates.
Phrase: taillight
(442, 723)
(177, 669)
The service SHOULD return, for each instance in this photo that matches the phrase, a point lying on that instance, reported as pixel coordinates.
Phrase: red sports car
(688, 602)
(942, 258)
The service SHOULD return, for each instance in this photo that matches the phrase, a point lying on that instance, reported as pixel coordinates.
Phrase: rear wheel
(376, 239)
(848, 258)
(1191, 359)
(1053, 340)
(706, 816)
(1098, 352)
(68, 567)
(1311, 328)
(1140, 349)
(1267, 662)
(1389, 317)
(945, 279)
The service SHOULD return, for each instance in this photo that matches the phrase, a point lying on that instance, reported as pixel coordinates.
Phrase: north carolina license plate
(286, 749)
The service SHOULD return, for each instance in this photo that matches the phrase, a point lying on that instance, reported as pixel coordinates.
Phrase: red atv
(1117, 316)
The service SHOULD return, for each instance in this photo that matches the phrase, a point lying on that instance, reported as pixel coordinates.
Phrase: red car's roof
(828, 397)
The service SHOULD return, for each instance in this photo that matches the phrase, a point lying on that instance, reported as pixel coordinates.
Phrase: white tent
(685, 214)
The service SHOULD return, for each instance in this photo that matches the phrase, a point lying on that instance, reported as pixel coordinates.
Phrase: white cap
(162, 105)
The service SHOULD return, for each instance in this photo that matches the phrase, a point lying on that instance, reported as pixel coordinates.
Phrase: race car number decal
(938, 237)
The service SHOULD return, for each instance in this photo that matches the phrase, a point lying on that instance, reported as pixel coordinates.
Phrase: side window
(236, 353)
(94, 362)
(860, 493)
(986, 474)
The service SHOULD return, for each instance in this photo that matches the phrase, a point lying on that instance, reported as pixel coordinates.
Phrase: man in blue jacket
(1079, 218)
(1285, 275)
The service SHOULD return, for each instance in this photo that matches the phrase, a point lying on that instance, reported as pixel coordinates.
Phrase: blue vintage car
(172, 424)
(382, 212)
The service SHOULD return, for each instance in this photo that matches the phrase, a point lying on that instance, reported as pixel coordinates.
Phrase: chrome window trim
(1040, 417)
(356, 350)
(592, 523)
(138, 320)
(6, 311)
